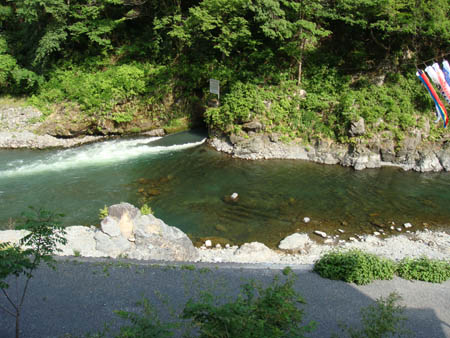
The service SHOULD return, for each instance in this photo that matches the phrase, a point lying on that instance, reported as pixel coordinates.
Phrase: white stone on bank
(320, 233)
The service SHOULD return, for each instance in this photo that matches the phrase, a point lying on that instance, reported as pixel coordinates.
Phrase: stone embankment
(19, 128)
(413, 153)
(125, 232)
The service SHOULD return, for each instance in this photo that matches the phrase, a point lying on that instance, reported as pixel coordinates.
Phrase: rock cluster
(125, 232)
(413, 153)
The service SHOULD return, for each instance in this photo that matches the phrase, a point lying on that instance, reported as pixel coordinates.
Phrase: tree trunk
(17, 324)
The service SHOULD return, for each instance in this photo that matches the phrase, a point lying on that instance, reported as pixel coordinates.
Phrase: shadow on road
(80, 297)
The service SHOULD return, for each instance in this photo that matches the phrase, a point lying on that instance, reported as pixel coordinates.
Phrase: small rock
(353, 239)
(392, 227)
(320, 233)
(341, 231)
(234, 196)
(399, 229)
(227, 246)
(407, 225)
(341, 241)
(208, 243)
(218, 246)
(328, 241)
(306, 219)
(376, 233)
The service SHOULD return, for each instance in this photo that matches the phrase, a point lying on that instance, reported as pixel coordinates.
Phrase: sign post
(214, 87)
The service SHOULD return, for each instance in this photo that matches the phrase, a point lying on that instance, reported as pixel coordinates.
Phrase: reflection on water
(188, 185)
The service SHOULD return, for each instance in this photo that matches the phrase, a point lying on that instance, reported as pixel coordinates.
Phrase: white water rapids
(97, 154)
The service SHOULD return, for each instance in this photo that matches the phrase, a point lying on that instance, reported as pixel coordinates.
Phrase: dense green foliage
(354, 266)
(425, 269)
(121, 60)
(257, 312)
(357, 267)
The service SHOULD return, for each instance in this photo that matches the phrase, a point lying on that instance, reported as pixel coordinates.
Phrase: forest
(304, 69)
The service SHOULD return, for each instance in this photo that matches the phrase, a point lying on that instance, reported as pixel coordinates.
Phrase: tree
(44, 235)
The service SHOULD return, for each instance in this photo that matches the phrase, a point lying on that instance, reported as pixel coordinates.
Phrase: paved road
(80, 297)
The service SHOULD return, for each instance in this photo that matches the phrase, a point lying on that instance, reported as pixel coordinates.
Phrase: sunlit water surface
(188, 184)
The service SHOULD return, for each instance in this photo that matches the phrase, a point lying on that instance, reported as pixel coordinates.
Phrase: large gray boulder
(156, 240)
(126, 232)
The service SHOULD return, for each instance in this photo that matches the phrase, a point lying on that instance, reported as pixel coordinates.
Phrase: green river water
(187, 184)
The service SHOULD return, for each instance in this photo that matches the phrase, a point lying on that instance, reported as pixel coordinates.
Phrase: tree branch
(9, 299)
(7, 311)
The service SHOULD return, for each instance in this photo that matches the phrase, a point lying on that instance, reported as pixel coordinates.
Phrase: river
(188, 185)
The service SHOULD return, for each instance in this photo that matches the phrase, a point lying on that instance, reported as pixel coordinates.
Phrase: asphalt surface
(81, 295)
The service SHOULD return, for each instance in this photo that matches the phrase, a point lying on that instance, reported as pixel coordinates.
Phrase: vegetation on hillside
(130, 60)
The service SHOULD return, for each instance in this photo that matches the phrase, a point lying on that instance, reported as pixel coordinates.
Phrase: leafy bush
(103, 212)
(354, 266)
(425, 269)
(146, 324)
(146, 210)
(382, 319)
(258, 312)
(114, 93)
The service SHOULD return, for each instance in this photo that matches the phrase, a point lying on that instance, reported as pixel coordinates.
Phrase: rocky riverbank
(413, 153)
(126, 233)
(20, 128)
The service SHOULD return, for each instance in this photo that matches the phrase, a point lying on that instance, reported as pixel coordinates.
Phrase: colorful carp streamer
(441, 112)
(446, 69)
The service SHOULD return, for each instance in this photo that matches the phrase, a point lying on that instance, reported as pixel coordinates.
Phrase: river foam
(98, 154)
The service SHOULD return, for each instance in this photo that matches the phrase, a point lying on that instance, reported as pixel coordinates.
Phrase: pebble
(399, 229)
(353, 239)
(341, 231)
(320, 233)
(306, 219)
(208, 243)
(407, 225)
(376, 233)
(392, 227)
(227, 246)
(234, 196)
(218, 246)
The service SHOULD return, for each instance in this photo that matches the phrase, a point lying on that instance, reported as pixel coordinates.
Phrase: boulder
(156, 240)
(117, 210)
(80, 239)
(357, 128)
(111, 246)
(254, 252)
(12, 236)
(110, 226)
(252, 126)
(296, 242)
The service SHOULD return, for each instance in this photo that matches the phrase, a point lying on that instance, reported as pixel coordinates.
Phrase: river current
(188, 185)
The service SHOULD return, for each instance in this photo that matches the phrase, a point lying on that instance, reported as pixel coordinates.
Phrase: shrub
(354, 266)
(146, 210)
(425, 269)
(257, 312)
(382, 319)
(103, 212)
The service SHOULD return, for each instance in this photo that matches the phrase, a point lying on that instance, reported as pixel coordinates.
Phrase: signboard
(214, 87)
